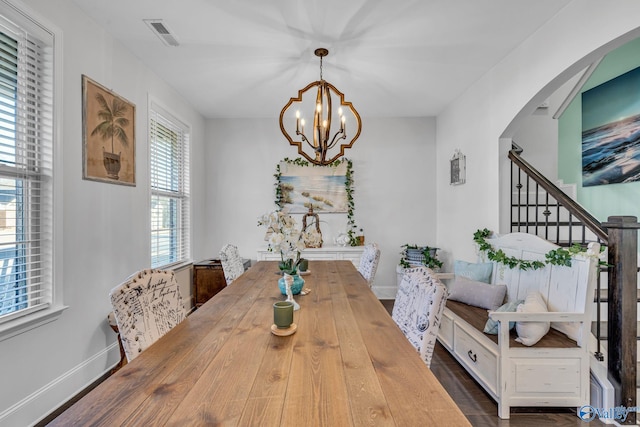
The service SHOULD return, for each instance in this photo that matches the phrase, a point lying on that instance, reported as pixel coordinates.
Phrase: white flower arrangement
(283, 236)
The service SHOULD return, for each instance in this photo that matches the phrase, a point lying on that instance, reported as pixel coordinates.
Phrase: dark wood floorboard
(480, 409)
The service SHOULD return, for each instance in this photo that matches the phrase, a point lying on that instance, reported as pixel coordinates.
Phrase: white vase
(288, 280)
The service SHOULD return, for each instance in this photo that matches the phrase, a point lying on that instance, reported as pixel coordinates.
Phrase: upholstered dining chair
(231, 262)
(369, 262)
(418, 309)
(146, 306)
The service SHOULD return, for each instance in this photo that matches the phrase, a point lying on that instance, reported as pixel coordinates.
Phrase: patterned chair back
(146, 306)
(369, 262)
(418, 309)
(231, 262)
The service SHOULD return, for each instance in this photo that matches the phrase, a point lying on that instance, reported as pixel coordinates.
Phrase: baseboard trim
(385, 292)
(54, 395)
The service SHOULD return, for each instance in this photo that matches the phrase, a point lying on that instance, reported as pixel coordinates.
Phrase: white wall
(105, 227)
(394, 185)
(492, 108)
(395, 164)
(537, 134)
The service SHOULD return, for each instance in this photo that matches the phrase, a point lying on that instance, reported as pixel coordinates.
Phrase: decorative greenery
(348, 185)
(558, 256)
(282, 193)
(429, 260)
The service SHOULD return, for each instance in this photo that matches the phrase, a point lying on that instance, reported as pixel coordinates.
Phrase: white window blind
(170, 228)
(26, 171)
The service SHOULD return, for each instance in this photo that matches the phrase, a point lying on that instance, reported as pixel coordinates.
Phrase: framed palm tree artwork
(108, 134)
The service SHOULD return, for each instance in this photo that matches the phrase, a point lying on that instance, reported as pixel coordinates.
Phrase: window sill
(30, 321)
(176, 266)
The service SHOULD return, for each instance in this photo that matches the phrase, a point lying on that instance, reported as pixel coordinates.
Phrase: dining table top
(347, 364)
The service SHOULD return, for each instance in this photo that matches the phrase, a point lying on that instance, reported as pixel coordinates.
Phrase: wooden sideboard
(327, 253)
(208, 279)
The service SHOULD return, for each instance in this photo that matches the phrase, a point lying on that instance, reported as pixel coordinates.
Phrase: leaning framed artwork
(108, 135)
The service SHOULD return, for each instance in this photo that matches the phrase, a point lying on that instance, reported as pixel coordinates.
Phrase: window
(26, 167)
(169, 153)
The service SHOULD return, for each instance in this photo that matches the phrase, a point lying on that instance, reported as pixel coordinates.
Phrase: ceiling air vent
(160, 29)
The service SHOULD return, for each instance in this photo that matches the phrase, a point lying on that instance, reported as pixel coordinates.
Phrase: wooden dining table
(347, 364)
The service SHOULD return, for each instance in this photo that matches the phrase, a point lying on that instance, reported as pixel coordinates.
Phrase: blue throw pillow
(491, 327)
(480, 272)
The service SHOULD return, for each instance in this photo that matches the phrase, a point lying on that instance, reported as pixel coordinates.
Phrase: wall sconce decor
(458, 168)
(316, 143)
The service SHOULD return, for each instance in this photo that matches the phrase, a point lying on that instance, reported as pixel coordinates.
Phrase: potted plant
(415, 255)
(113, 122)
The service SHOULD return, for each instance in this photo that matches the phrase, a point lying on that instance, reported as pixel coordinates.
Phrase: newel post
(622, 324)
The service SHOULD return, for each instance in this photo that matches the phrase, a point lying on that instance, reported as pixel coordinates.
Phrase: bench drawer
(480, 360)
(445, 333)
(558, 377)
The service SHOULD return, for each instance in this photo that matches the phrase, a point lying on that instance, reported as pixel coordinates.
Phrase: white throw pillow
(530, 333)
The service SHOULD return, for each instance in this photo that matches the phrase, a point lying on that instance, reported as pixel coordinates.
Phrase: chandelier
(315, 141)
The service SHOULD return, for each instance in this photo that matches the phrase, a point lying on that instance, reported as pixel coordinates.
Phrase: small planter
(416, 255)
(111, 164)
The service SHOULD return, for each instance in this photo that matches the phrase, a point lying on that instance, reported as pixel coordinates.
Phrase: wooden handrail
(571, 205)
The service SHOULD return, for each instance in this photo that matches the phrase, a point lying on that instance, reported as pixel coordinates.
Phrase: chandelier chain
(321, 68)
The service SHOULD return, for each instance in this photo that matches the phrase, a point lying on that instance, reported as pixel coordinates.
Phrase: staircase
(540, 207)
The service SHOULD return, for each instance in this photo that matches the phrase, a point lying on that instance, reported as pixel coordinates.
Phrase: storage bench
(553, 372)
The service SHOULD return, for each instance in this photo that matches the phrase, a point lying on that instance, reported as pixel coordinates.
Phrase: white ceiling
(246, 58)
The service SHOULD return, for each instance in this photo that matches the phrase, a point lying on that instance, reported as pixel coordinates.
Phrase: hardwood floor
(480, 409)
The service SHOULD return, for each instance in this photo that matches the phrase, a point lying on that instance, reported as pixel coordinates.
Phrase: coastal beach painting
(611, 131)
(324, 187)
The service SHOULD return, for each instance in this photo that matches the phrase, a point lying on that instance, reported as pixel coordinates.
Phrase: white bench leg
(503, 411)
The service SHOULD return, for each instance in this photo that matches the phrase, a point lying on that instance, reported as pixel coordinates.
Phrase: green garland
(348, 185)
(558, 256)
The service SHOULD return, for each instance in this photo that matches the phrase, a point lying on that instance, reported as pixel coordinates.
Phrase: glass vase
(296, 286)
